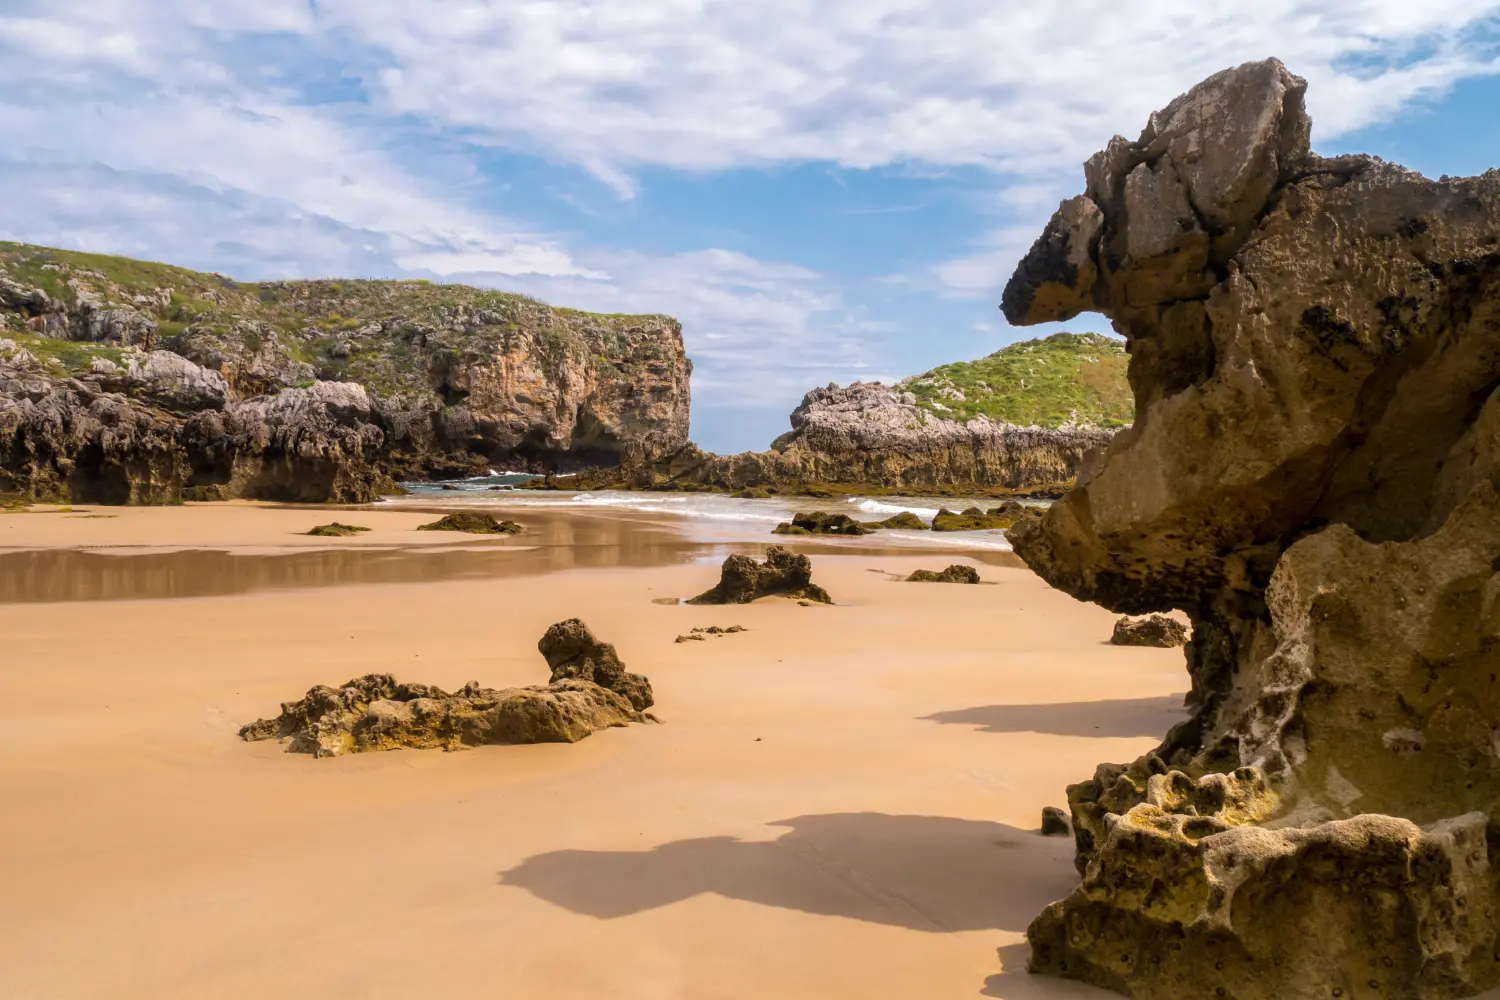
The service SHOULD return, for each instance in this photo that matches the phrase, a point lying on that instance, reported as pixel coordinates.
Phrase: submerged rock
(1152, 630)
(474, 524)
(376, 712)
(337, 530)
(1312, 477)
(953, 574)
(783, 574)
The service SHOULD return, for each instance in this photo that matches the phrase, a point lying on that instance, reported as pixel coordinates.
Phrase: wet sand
(842, 801)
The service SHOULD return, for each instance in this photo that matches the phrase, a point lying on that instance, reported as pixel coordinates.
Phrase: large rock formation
(875, 435)
(1312, 477)
(124, 381)
(783, 574)
(589, 690)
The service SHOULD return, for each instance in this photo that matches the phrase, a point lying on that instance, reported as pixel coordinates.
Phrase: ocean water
(715, 516)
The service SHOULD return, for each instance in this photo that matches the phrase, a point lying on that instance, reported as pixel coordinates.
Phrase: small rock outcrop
(975, 519)
(819, 523)
(337, 530)
(473, 524)
(573, 653)
(1055, 822)
(376, 712)
(1151, 630)
(1313, 476)
(906, 521)
(956, 573)
(783, 574)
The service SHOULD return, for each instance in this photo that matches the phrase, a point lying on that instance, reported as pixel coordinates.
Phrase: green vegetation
(1067, 378)
(395, 337)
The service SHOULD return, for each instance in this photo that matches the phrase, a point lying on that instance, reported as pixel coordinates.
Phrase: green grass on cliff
(395, 336)
(1076, 378)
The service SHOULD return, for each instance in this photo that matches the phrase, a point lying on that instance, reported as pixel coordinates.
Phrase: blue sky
(820, 191)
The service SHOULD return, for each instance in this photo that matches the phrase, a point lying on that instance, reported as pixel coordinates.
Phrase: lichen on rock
(473, 524)
(783, 574)
(1311, 477)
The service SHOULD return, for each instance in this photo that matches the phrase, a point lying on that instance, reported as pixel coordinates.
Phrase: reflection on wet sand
(552, 542)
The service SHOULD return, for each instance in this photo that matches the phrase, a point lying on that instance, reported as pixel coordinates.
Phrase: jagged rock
(1055, 822)
(716, 630)
(474, 524)
(1312, 477)
(820, 523)
(573, 653)
(1152, 630)
(337, 530)
(691, 638)
(375, 712)
(953, 574)
(589, 690)
(972, 519)
(151, 384)
(905, 520)
(783, 574)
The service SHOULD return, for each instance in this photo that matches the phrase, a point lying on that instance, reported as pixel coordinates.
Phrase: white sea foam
(880, 507)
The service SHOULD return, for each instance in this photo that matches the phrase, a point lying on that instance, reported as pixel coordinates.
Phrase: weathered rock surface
(956, 573)
(905, 520)
(820, 523)
(573, 653)
(473, 524)
(589, 691)
(783, 574)
(131, 382)
(877, 435)
(1055, 822)
(1151, 630)
(337, 530)
(975, 519)
(1312, 477)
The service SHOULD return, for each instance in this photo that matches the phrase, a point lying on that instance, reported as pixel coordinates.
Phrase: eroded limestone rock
(1151, 630)
(1312, 476)
(473, 524)
(589, 691)
(783, 574)
(820, 523)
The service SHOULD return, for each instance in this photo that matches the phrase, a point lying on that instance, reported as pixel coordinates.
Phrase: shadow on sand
(1126, 718)
(926, 873)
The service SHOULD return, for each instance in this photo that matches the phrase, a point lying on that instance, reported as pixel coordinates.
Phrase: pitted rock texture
(1151, 630)
(1311, 476)
(589, 691)
(572, 652)
(783, 574)
(126, 378)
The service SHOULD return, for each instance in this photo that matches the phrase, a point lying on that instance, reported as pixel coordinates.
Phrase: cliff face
(1312, 475)
(139, 382)
(902, 437)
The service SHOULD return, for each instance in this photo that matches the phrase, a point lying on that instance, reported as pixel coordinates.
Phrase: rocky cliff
(1312, 476)
(956, 427)
(125, 381)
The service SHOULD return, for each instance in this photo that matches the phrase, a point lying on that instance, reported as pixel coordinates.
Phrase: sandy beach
(842, 801)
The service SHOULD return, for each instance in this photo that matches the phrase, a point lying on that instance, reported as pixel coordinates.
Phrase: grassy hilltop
(1067, 378)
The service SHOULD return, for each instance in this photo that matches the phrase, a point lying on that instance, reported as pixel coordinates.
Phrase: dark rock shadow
(927, 873)
(1128, 717)
(1013, 982)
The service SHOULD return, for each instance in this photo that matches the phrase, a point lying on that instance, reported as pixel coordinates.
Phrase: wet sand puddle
(554, 541)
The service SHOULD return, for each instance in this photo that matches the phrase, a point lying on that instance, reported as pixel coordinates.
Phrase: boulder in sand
(820, 523)
(376, 712)
(474, 524)
(337, 530)
(1151, 630)
(953, 574)
(783, 574)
